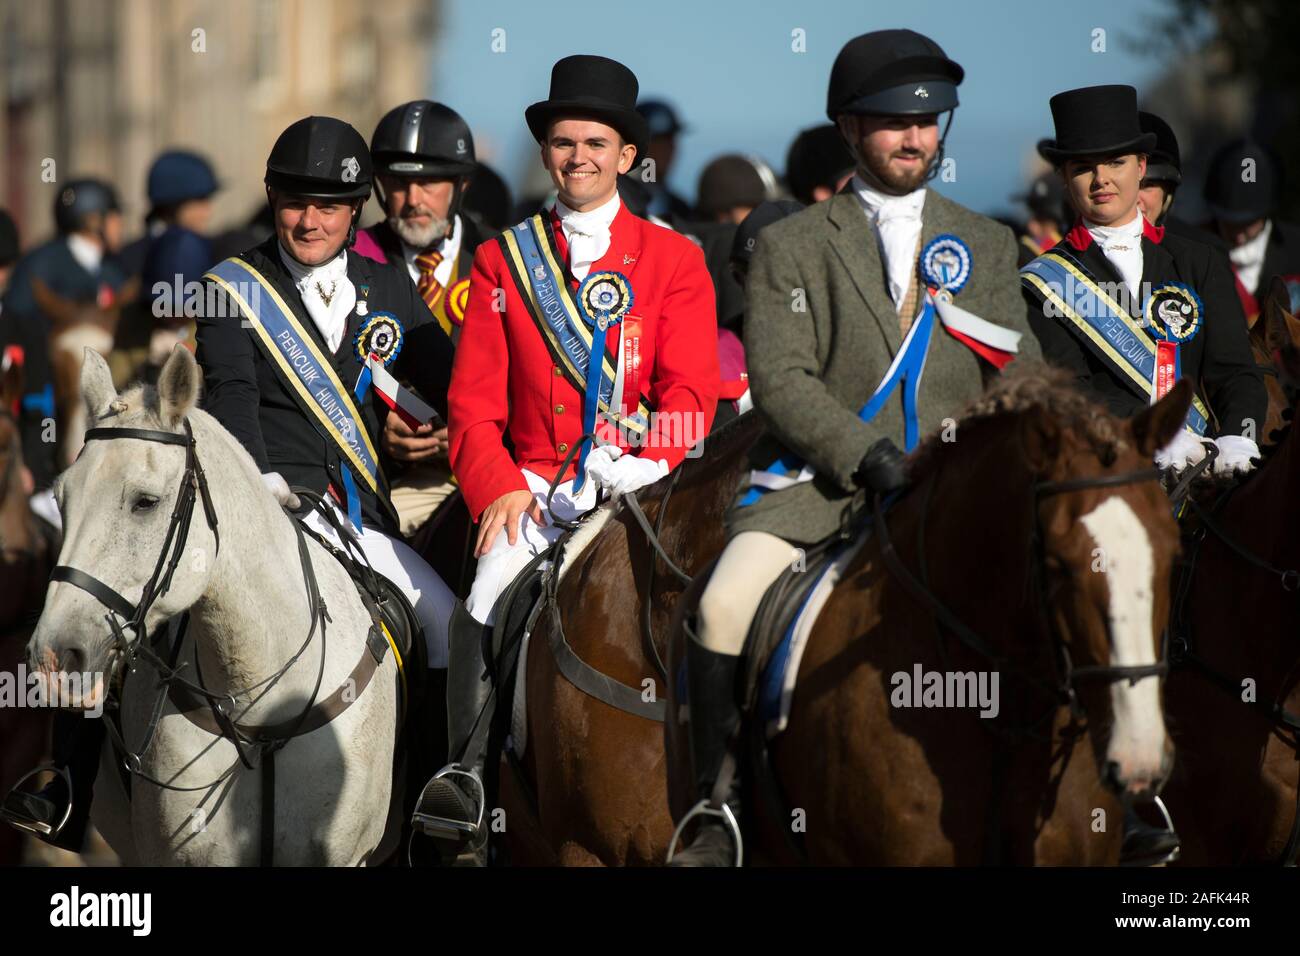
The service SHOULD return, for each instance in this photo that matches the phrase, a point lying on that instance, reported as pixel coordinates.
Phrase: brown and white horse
(1043, 533)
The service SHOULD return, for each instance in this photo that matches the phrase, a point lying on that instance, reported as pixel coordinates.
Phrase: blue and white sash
(1103, 325)
(538, 272)
(907, 368)
(309, 373)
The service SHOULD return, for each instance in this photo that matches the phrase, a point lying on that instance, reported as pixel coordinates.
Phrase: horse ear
(178, 386)
(1155, 426)
(1040, 436)
(96, 384)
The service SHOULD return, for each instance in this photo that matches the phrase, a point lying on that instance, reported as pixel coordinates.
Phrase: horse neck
(253, 615)
(978, 547)
(1266, 507)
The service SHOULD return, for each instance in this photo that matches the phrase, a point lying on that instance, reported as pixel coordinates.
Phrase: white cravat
(587, 233)
(329, 281)
(1122, 245)
(88, 254)
(1248, 258)
(897, 220)
(449, 246)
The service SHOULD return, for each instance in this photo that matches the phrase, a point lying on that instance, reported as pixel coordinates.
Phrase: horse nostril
(71, 661)
(1112, 777)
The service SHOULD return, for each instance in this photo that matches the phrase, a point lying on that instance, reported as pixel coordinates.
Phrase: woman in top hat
(521, 376)
(1120, 302)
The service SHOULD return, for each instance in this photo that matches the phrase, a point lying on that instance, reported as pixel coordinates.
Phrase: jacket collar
(626, 240)
(1080, 238)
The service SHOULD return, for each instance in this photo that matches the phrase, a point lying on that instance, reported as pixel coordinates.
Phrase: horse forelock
(1024, 387)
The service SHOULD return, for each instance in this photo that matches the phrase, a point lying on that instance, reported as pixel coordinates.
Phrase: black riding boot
(77, 741)
(450, 808)
(715, 717)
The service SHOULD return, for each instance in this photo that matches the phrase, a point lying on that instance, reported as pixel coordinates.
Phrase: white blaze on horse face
(1138, 738)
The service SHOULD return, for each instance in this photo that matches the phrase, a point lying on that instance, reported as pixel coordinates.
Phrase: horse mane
(1023, 387)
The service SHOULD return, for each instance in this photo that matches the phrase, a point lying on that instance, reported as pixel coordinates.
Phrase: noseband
(1068, 676)
(194, 483)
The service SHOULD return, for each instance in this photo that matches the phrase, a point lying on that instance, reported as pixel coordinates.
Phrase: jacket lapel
(859, 252)
(625, 243)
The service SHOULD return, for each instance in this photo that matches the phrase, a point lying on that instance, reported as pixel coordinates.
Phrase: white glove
(279, 489)
(1235, 454)
(1185, 450)
(620, 474)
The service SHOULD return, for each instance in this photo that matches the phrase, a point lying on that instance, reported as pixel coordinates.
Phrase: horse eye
(144, 503)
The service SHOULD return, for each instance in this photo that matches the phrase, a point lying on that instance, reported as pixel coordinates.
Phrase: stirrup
(1168, 857)
(19, 805)
(439, 797)
(705, 809)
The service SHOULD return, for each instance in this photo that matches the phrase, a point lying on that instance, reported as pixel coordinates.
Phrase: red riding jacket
(505, 381)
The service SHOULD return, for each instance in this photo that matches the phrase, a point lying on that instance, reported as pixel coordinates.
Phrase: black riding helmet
(81, 198)
(425, 139)
(320, 157)
(894, 73)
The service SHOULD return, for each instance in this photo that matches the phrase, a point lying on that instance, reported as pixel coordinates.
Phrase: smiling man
(586, 278)
(1102, 299)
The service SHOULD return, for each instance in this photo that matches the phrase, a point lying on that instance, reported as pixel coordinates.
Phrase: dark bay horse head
(1274, 330)
(1052, 512)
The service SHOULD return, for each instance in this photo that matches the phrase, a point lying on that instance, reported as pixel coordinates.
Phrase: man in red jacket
(586, 277)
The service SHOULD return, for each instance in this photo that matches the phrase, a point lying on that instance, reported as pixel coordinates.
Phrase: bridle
(194, 484)
(1064, 692)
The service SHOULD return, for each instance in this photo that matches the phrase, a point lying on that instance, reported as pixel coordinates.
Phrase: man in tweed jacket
(834, 292)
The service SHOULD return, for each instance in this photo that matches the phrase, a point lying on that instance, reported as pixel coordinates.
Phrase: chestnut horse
(1234, 793)
(590, 788)
(1036, 546)
(25, 562)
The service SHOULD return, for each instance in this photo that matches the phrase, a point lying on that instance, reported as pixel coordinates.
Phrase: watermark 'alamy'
(950, 689)
(75, 908)
(76, 690)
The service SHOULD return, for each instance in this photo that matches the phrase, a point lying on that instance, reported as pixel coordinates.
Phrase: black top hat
(1096, 121)
(1164, 163)
(595, 87)
(1234, 196)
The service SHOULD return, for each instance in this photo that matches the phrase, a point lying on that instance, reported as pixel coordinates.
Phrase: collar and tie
(428, 286)
(588, 234)
(897, 221)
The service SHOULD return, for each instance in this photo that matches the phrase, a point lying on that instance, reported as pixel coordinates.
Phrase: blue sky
(729, 67)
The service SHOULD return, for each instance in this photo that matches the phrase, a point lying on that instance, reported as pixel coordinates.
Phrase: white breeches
(749, 564)
(429, 596)
(498, 567)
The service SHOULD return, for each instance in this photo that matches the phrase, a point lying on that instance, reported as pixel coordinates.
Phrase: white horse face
(117, 501)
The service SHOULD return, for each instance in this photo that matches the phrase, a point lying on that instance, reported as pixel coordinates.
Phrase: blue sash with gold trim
(309, 374)
(1103, 325)
(535, 265)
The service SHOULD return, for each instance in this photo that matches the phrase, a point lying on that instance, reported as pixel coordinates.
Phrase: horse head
(119, 503)
(1274, 331)
(1107, 542)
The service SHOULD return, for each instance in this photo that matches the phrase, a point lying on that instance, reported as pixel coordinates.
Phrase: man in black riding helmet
(424, 160)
